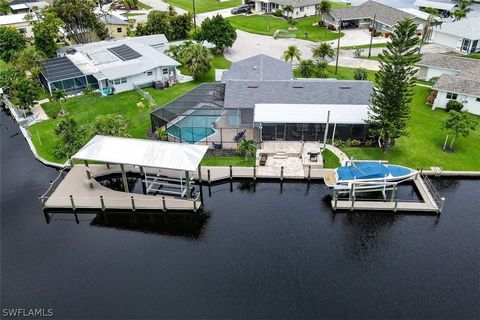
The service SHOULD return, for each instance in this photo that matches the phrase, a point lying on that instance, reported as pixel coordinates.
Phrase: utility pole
(374, 30)
(194, 16)
(338, 45)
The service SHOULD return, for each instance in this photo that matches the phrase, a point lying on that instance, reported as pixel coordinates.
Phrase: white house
(462, 35)
(458, 79)
(18, 22)
(111, 66)
(444, 9)
(301, 8)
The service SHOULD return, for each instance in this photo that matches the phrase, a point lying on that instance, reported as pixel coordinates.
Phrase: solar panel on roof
(124, 52)
(60, 69)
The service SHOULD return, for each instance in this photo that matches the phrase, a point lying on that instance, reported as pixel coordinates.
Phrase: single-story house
(301, 8)
(445, 9)
(111, 66)
(462, 35)
(364, 15)
(260, 96)
(458, 79)
(115, 26)
(18, 22)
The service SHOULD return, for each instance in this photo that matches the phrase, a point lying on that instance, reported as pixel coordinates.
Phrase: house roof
(466, 28)
(385, 14)
(457, 84)
(419, 14)
(246, 94)
(297, 3)
(12, 19)
(118, 58)
(434, 4)
(443, 61)
(259, 67)
(112, 19)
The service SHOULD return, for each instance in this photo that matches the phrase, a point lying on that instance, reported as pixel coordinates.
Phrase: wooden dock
(427, 203)
(75, 191)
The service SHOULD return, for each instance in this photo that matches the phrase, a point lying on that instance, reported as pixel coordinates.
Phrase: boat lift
(159, 184)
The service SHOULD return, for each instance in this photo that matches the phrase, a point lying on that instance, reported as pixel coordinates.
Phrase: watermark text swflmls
(27, 312)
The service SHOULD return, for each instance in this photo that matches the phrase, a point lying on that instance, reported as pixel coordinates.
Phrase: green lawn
(343, 73)
(143, 6)
(259, 23)
(204, 5)
(474, 55)
(364, 46)
(84, 109)
(423, 147)
(330, 160)
(227, 161)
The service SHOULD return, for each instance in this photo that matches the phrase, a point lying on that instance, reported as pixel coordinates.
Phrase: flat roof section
(145, 153)
(124, 52)
(57, 69)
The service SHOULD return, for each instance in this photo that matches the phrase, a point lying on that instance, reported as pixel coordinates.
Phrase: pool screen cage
(199, 117)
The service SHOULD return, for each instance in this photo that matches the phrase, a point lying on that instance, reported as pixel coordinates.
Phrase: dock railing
(51, 188)
(437, 198)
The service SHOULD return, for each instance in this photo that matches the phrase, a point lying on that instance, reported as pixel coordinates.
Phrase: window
(121, 80)
(165, 71)
(119, 30)
(452, 96)
(302, 9)
(465, 45)
(478, 99)
(149, 73)
(22, 30)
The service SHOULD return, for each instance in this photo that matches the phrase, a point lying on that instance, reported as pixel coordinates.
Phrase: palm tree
(321, 69)
(463, 9)
(291, 53)
(431, 11)
(324, 7)
(288, 9)
(59, 96)
(307, 68)
(291, 23)
(129, 5)
(325, 49)
(247, 148)
(4, 7)
(197, 59)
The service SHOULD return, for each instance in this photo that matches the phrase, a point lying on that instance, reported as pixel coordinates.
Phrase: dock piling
(395, 206)
(254, 173)
(194, 205)
(76, 218)
(133, 203)
(208, 176)
(281, 173)
(440, 209)
(199, 173)
(309, 171)
(102, 203)
(164, 205)
(335, 199)
(231, 172)
(72, 202)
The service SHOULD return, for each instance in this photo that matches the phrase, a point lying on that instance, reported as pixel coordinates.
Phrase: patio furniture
(314, 156)
(217, 145)
(263, 159)
(239, 135)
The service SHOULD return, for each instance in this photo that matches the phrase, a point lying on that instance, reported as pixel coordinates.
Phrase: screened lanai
(61, 73)
(199, 116)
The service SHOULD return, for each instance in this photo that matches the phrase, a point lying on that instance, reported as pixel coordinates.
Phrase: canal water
(260, 251)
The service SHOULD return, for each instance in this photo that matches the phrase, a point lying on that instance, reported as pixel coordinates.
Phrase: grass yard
(474, 56)
(202, 6)
(227, 161)
(364, 46)
(143, 6)
(84, 109)
(343, 73)
(330, 160)
(258, 24)
(423, 147)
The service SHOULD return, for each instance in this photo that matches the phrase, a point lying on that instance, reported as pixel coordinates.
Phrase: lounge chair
(263, 159)
(240, 135)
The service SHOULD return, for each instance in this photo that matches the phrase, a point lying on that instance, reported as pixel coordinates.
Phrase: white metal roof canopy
(310, 113)
(145, 153)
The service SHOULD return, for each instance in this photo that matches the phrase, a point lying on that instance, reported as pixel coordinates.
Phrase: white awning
(145, 153)
(435, 5)
(310, 113)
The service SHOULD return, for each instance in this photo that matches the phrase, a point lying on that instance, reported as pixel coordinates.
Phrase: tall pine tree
(390, 110)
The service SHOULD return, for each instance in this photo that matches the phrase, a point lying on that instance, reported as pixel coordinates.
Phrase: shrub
(433, 80)
(454, 105)
(360, 74)
(278, 13)
(358, 53)
(162, 134)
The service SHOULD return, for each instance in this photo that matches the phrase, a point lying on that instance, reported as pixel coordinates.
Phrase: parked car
(244, 8)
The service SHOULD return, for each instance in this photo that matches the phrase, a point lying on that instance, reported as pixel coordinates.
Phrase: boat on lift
(367, 176)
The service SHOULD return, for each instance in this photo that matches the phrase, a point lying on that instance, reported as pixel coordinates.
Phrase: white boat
(368, 175)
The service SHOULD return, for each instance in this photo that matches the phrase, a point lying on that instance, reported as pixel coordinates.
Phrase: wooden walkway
(427, 203)
(75, 187)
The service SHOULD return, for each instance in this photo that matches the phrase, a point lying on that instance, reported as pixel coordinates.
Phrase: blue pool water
(196, 126)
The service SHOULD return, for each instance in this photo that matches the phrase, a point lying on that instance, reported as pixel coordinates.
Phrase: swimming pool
(195, 126)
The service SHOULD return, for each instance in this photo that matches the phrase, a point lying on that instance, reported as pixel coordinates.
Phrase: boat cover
(363, 170)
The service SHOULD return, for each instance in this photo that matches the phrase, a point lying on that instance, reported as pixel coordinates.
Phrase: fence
(145, 95)
(437, 198)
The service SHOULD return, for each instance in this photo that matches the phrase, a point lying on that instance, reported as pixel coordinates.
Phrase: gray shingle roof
(466, 28)
(112, 19)
(457, 84)
(444, 61)
(384, 14)
(259, 67)
(245, 94)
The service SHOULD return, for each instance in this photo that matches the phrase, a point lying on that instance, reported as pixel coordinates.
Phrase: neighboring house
(458, 79)
(25, 6)
(364, 15)
(260, 95)
(463, 35)
(18, 22)
(301, 8)
(444, 9)
(115, 26)
(110, 66)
